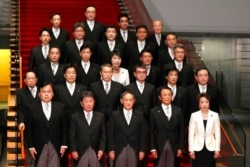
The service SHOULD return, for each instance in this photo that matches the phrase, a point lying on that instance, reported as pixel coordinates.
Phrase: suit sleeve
(29, 128)
(72, 134)
(217, 133)
(182, 132)
(31, 60)
(111, 133)
(191, 133)
(19, 105)
(103, 135)
(151, 130)
(143, 134)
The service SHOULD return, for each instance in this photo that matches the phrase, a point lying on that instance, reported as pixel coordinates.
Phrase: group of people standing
(111, 98)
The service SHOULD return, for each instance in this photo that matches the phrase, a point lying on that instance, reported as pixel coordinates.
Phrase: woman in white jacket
(204, 136)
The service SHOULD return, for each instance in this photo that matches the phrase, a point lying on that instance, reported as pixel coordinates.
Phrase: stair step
(13, 144)
(11, 123)
(12, 134)
(12, 157)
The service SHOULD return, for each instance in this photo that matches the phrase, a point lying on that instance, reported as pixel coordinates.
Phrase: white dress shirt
(128, 115)
(85, 66)
(202, 88)
(167, 110)
(88, 116)
(71, 87)
(47, 109)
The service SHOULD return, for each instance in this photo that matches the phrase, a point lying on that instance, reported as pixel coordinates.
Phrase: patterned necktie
(85, 67)
(128, 118)
(33, 92)
(45, 52)
(56, 33)
(168, 112)
(54, 68)
(159, 39)
(47, 112)
(107, 88)
(124, 36)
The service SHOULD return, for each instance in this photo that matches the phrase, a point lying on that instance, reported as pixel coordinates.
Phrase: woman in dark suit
(204, 136)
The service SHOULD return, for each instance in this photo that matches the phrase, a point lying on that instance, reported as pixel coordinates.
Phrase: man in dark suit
(124, 35)
(94, 29)
(87, 134)
(87, 72)
(24, 97)
(166, 55)
(59, 35)
(51, 71)
(144, 92)
(134, 48)
(186, 72)
(126, 134)
(70, 92)
(153, 72)
(166, 131)
(72, 48)
(158, 38)
(202, 86)
(178, 91)
(106, 91)
(105, 48)
(46, 129)
(39, 54)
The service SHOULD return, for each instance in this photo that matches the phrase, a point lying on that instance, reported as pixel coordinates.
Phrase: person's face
(79, 33)
(106, 73)
(165, 96)
(45, 37)
(30, 79)
(46, 93)
(111, 34)
(171, 41)
(70, 75)
(146, 58)
(204, 104)
(179, 54)
(116, 61)
(202, 77)
(140, 74)
(90, 13)
(172, 77)
(88, 103)
(128, 101)
(141, 34)
(56, 21)
(86, 54)
(123, 23)
(54, 55)
(157, 27)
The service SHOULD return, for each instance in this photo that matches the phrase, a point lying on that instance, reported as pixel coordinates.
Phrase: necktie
(56, 33)
(128, 117)
(148, 69)
(91, 26)
(47, 112)
(33, 92)
(107, 88)
(53, 65)
(111, 44)
(71, 89)
(88, 118)
(140, 46)
(79, 44)
(174, 93)
(45, 51)
(168, 112)
(159, 39)
(124, 36)
(85, 67)
(203, 89)
(141, 87)
(179, 66)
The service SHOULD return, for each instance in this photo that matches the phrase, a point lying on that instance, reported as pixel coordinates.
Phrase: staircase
(13, 144)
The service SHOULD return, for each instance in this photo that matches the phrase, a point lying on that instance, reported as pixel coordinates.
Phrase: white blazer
(197, 135)
(122, 77)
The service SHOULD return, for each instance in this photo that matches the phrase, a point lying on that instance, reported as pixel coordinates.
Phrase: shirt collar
(68, 84)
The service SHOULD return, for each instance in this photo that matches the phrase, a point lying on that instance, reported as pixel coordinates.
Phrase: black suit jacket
(131, 37)
(72, 103)
(145, 101)
(95, 36)
(186, 75)
(23, 99)
(45, 73)
(152, 39)
(104, 53)
(82, 136)
(93, 74)
(36, 58)
(191, 104)
(162, 129)
(60, 41)
(120, 133)
(106, 103)
(133, 54)
(154, 76)
(163, 58)
(72, 53)
(40, 131)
